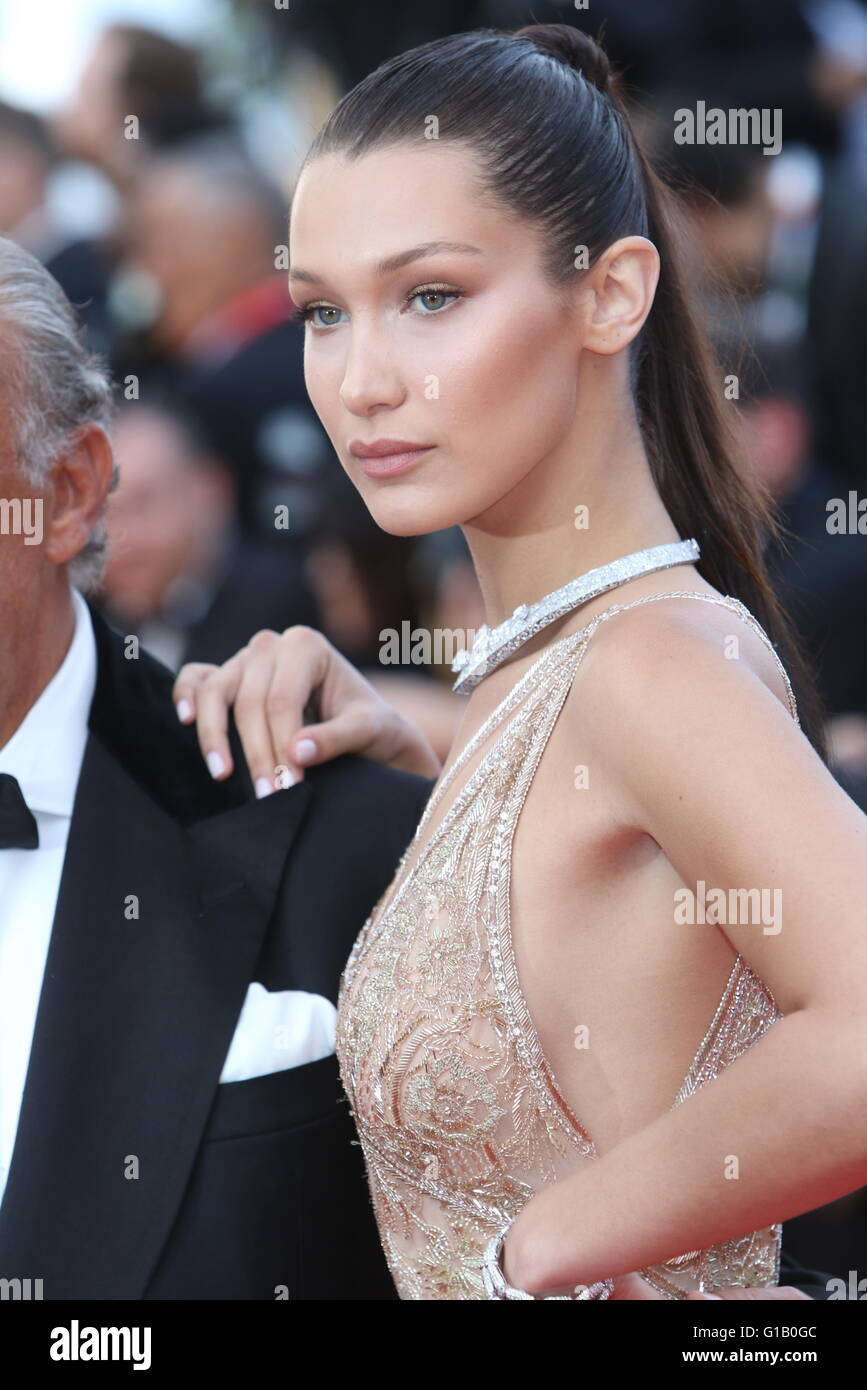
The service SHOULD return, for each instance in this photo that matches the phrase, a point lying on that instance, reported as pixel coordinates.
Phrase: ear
(619, 294)
(80, 482)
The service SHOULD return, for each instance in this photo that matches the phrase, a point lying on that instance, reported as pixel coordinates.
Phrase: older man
(171, 1123)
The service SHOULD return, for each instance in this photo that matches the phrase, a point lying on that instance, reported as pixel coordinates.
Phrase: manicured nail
(215, 764)
(709, 1295)
(305, 750)
(284, 777)
(185, 711)
(264, 787)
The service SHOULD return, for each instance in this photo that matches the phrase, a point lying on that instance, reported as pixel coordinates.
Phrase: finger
(775, 1292)
(185, 688)
(213, 698)
(301, 659)
(251, 717)
(356, 729)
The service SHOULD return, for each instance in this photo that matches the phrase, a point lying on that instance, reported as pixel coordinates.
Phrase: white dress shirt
(45, 754)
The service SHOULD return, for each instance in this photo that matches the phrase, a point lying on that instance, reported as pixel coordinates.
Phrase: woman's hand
(270, 682)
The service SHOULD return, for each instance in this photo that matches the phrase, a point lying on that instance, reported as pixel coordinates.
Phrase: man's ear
(80, 482)
(619, 294)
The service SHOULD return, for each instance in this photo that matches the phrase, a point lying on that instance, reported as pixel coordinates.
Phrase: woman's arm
(713, 767)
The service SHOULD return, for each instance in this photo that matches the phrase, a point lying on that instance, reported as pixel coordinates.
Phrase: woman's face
(464, 348)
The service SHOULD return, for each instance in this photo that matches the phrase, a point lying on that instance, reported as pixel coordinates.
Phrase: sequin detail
(459, 1114)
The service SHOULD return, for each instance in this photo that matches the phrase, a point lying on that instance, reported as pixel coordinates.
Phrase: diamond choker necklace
(492, 646)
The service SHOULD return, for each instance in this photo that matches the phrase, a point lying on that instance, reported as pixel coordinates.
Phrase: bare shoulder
(654, 649)
(674, 687)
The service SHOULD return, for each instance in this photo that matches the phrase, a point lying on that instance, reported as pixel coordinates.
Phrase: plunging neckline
(514, 999)
(464, 865)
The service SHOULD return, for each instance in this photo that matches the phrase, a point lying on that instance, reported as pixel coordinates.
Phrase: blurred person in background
(735, 55)
(820, 576)
(838, 326)
(728, 232)
(80, 265)
(202, 240)
(133, 71)
(352, 38)
(180, 574)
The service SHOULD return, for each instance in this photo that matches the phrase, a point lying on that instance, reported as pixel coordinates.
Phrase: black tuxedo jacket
(135, 1174)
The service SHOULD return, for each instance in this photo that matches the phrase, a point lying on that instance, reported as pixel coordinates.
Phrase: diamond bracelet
(497, 1287)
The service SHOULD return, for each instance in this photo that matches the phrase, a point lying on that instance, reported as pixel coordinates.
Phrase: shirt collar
(46, 751)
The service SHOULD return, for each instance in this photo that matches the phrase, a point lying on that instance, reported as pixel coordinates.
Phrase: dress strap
(725, 601)
(549, 660)
(528, 684)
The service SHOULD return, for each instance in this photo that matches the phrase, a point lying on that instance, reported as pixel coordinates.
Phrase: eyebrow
(397, 262)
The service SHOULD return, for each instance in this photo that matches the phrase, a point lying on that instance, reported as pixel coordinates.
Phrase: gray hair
(52, 385)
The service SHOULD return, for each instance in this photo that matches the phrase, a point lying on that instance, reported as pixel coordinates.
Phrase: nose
(371, 379)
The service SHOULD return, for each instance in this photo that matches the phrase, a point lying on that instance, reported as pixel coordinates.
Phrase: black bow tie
(18, 828)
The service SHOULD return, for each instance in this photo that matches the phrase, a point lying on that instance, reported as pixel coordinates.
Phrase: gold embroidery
(459, 1115)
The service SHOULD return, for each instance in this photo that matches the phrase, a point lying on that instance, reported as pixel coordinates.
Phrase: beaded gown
(460, 1117)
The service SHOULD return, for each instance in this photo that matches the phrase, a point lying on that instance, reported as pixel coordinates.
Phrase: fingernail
(305, 750)
(185, 711)
(215, 764)
(709, 1295)
(284, 777)
(263, 787)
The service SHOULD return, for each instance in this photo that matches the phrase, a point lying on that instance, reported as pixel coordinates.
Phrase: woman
(530, 1017)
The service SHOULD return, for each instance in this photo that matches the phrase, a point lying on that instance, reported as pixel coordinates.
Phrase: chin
(410, 515)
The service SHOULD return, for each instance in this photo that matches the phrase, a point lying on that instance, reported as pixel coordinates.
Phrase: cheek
(507, 397)
(510, 378)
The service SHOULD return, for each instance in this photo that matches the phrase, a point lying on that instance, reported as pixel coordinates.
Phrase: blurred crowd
(232, 512)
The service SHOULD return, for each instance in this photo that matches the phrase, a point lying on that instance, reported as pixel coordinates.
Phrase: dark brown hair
(160, 80)
(545, 115)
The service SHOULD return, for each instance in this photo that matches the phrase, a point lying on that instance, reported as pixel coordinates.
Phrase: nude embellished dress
(460, 1117)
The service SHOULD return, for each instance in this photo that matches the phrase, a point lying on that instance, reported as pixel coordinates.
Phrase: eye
(305, 315)
(433, 292)
(423, 293)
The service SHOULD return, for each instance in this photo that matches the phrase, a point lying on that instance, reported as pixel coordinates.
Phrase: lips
(384, 457)
(381, 448)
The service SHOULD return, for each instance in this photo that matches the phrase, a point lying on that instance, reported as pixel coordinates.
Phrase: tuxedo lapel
(161, 916)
